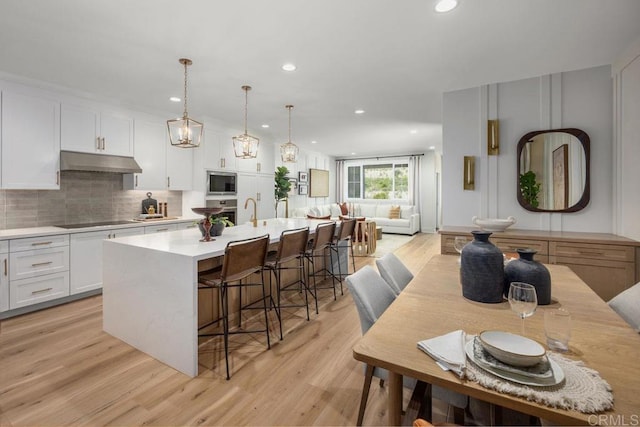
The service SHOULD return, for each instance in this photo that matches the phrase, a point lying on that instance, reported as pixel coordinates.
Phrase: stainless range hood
(74, 161)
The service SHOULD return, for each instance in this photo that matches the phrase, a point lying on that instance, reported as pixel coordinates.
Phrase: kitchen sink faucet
(254, 217)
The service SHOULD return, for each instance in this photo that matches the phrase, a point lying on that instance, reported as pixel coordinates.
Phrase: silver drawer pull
(41, 243)
(41, 291)
(162, 229)
(5, 266)
(38, 264)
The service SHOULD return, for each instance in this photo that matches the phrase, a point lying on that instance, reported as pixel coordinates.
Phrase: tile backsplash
(83, 197)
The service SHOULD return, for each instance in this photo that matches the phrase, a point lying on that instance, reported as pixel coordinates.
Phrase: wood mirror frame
(584, 140)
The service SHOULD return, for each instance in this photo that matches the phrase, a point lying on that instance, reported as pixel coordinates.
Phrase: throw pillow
(394, 212)
(318, 217)
(344, 208)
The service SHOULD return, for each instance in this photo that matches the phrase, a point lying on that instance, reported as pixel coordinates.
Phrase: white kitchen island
(150, 287)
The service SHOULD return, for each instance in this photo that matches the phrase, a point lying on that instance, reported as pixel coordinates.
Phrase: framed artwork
(294, 186)
(319, 183)
(303, 177)
(561, 177)
(302, 189)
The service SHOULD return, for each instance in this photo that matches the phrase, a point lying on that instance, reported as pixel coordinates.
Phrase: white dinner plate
(557, 378)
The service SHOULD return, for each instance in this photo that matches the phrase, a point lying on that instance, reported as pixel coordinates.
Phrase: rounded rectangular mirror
(553, 170)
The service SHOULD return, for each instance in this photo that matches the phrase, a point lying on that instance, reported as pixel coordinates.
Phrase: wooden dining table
(432, 305)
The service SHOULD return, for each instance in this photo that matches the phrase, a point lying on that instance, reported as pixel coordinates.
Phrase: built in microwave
(221, 183)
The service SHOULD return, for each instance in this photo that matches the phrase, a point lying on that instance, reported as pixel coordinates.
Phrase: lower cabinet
(38, 289)
(86, 257)
(605, 262)
(4, 275)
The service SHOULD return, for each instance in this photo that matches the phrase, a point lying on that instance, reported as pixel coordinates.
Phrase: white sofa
(408, 223)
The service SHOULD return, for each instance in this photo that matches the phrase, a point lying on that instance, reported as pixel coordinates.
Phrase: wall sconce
(469, 173)
(493, 138)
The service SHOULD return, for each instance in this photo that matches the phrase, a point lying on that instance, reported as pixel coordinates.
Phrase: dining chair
(344, 238)
(394, 272)
(317, 249)
(627, 305)
(242, 258)
(291, 246)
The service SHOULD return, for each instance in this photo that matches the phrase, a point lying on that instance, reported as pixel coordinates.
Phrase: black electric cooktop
(93, 224)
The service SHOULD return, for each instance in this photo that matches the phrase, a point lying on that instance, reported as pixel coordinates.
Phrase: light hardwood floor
(57, 367)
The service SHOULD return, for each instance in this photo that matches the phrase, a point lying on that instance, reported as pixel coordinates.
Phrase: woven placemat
(582, 390)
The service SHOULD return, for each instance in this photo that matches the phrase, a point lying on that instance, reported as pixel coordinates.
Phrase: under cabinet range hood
(74, 161)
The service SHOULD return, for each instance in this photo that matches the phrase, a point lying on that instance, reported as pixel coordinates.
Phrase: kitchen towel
(447, 350)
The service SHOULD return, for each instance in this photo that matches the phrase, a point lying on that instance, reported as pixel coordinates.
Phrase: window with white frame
(379, 180)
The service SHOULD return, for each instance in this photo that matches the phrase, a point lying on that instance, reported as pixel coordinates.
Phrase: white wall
(626, 75)
(581, 99)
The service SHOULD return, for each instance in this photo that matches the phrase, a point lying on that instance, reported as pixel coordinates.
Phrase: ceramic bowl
(512, 349)
(493, 224)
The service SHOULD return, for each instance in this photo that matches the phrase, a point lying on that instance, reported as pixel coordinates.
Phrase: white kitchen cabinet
(219, 154)
(30, 140)
(160, 228)
(38, 269)
(260, 187)
(163, 165)
(92, 129)
(263, 163)
(85, 259)
(4, 275)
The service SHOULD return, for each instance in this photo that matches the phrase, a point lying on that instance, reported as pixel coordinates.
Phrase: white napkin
(447, 350)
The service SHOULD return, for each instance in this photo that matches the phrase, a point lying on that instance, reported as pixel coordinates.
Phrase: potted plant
(218, 223)
(282, 185)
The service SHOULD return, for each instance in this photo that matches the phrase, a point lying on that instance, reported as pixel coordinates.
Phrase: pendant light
(185, 132)
(289, 150)
(245, 146)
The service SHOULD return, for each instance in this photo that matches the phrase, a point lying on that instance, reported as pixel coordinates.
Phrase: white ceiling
(392, 58)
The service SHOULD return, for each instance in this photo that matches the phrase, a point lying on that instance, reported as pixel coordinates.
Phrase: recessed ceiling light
(433, 147)
(359, 111)
(446, 5)
(175, 99)
(353, 154)
(289, 67)
(413, 131)
(265, 125)
(314, 142)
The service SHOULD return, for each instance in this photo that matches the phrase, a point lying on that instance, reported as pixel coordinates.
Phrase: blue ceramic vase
(482, 269)
(526, 270)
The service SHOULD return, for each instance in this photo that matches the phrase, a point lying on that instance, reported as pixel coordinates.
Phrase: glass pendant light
(289, 150)
(185, 132)
(245, 146)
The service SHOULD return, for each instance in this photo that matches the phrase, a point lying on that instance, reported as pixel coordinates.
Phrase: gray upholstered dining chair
(627, 305)
(394, 272)
(372, 296)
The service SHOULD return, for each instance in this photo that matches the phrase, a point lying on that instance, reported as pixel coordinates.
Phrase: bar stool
(317, 248)
(241, 259)
(292, 246)
(345, 235)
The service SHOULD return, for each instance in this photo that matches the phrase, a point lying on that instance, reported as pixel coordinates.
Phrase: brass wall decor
(289, 150)
(493, 137)
(469, 180)
(245, 146)
(185, 132)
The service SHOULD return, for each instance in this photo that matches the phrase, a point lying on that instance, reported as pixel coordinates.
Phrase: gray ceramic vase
(482, 269)
(526, 270)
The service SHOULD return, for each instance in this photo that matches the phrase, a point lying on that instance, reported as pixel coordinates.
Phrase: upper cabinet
(30, 140)
(219, 153)
(90, 129)
(164, 167)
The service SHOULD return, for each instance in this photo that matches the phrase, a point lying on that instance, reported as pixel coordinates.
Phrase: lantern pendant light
(245, 146)
(185, 132)
(289, 150)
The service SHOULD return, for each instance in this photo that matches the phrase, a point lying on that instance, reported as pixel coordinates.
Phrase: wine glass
(523, 300)
(459, 242)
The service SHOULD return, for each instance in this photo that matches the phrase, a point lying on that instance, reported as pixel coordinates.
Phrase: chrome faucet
(254, 217)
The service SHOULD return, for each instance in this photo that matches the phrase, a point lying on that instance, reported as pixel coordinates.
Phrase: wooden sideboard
(609, 264)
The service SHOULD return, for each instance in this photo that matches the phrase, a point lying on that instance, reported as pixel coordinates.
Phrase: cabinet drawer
(4, 246)
(38, 289)
(38, 262)
(159, 228)
(593, 251)
(512, 245)
(31, 243)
